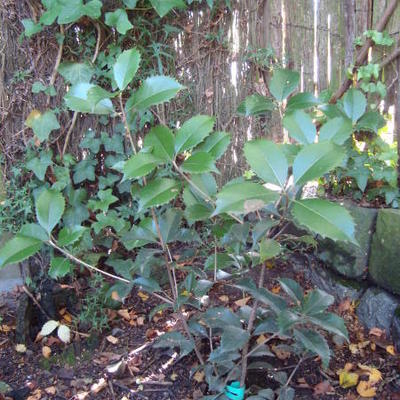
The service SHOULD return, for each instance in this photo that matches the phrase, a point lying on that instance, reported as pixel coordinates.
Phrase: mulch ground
(81, 370)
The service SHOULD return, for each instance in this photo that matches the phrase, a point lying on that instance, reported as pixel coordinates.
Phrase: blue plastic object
(233, 391)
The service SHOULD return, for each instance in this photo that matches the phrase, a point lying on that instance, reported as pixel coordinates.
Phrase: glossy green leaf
(175, 339)
(300, 126)
(192, 132)
(354, 104)
(77, 100)
(216, 144)
(233, 338)
(292, 288)
(316, 302)
(325, 218)
(331, 323)
(122, 267)
(301, 101)
(269, 248)
(315, 160)
(75, 72)
(34, 231)
(199, 163)
(283, 83)
(42, 124)
(59, 267)
(163, 7)
(49, 209)
(243, 198)
(147, 284)
(70, 234)
(162, 141)
(139, 165)
(18, 249)
(119, 20)
(130, 4)
(73, 10)
(105, 199)
(255, 104)
(336, 130)
(314, 342)
(154, 90)
(267, 160)
(31, 28)
(39, 165)
(158, 192)
(371, 121)
(125, 67)
(169, 224)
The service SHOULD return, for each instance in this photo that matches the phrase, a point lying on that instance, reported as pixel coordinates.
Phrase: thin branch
(363, 53)
(127, 129)
(391, 57)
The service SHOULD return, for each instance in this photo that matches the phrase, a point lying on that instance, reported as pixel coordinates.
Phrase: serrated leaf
(50, 207)
(175, 339)
(283, 83)
(59, 267)
(118, 19)
(121, 267)
(49, 327)
(300, 126)
(147, 284)
(354, 104)
(240, 197)
(193, 132)
(292, 288)
(163, 7)
(331, 323)
(267, 161)
(315, 160)
(255, 104)
(70, 234)
(64, 333)
(169, 224)
(75, 72)
(158, 192)
(162, 141)
(34, 231)
(315, 343)
(233, 338)
(18, 249)
(40, 164)
(42, 124)
(199, 163)
(325, 218)
(269, 248)
(216, 144)
(125, 67)
(139, 165)
(301, 101)
(316, 302)
(336, 130)
(154, 90)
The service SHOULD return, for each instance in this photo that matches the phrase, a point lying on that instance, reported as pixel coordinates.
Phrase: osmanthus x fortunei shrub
(137, 202)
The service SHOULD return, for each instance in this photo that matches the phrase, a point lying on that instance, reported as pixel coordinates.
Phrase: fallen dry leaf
(140, 321)
(276, 289)
(281, 353)
(82, 395)
(323, 387)
(115, 296)
(390, 349)
(344, 306)
(242, 302)
(224, 298)
(174, 377)
(348, 379)
(20, 348)
(51, 390)
(98, 386)
(46, 351)
(376, 332)
(124, 313)
(143, 296)
(374, 374)
(261, 339)
(112, 339)
(199, 376)
(36, 395)
(365, 389)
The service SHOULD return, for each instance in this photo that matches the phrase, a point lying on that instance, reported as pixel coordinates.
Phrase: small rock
(376, 309)
(117, 332)
(333, 284)
(65, 373)
(396, 329)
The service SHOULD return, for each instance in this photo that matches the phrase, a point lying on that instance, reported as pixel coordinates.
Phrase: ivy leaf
(315, 160)
(126, 67)
(154, 90)
(199, 163)
(110, 219)
(59, 267)
(336, 130)
(42, 124)
(73, 10)
(254, 105)
(18, 249)
(123, 268)
(139, 165)
(315, 343)
(77, 99)
(75, 72)
(84, 170)
(31, 28)
(301, 101)
(192, 132)
(163, 7)
(39, 165)
(162, 141)
(325, 218)
(158, 192)
(269, 248)
(70, 234)
(243, 197)
(267, 160)
(106, 199)
(354, 104)
(300, 126)
(283, 83)
(50, 207)
(130, 4)
(216, 144)
(118, 19)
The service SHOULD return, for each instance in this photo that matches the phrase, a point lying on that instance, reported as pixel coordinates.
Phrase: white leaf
(49, 327)
(64, 333)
